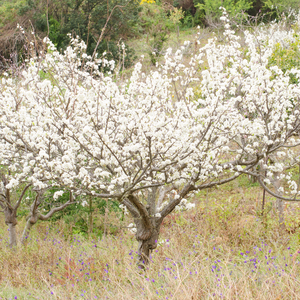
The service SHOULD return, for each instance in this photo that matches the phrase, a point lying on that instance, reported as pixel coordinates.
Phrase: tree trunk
(26, 230)
(279, 202)
(11, 221)
(144, 250)
(147, 242)
(31, 220)
(12, 235)
(147, 225)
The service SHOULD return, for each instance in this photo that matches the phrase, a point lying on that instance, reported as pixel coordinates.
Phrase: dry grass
(175, 41)
(222, 249)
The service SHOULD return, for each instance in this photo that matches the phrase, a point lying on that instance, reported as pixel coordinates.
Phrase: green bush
(83, 18)
(277, 7)
(287, 57)
(157, 22)
(83, 217)
(211, 9)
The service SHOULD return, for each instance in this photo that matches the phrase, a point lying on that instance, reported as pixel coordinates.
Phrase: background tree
(35, 214)
(56, 19)
(18, 165)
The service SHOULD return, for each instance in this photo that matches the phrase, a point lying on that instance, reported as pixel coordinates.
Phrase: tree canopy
(184, 127)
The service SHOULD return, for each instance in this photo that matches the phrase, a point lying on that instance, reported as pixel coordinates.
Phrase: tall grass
(223, 249)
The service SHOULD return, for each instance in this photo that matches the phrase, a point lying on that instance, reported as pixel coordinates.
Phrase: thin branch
(274, 194)
(141, 209)
(215, 183)
(103, 195)
(54, 210)
(174, 202)
(22, 195)
(131, 208)
(103, 29)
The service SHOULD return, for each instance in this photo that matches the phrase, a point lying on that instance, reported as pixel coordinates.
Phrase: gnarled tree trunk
(147, 236)
(148, 220)
(147, 226)
(35, 214)
(11, 221)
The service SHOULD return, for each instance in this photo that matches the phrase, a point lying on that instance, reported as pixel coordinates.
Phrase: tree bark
(147, 237)
(146, 246)
(26, 231)
(11, 221)
(31, 220)
(12, 235)
(279, 202)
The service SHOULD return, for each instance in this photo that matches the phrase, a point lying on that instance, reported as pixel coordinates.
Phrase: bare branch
(104, 28)
(54, 210)
(275, 194)
(141, 209)
(22, 195)
(174, 202)
(131, 208)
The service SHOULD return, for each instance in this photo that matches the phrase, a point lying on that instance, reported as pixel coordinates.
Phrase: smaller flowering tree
(36, 215)
(13, 183)
(269, 99)
(13, 193)
(17, 169)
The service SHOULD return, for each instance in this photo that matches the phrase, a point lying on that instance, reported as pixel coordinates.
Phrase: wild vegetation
(104, 25)
(222, 249)
(196, 148)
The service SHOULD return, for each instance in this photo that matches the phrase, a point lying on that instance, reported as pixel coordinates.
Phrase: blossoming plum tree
(85, 132)
(270, 100)
(14, 186)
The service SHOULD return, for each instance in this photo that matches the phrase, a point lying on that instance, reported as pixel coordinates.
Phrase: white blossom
(57, 194)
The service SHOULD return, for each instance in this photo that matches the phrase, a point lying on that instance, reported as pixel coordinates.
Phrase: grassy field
(222, 249)
(175, 40)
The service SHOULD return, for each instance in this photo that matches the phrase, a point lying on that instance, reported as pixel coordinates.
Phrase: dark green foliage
(189, 20)
(207, 12)
(83, 18)
(159, 38)
(83, 216)
(87, 19)
(88, 219)
(277, 7)
(114, 52)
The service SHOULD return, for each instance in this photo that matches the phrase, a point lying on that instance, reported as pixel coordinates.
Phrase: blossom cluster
(64, 123)
(184, 205)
